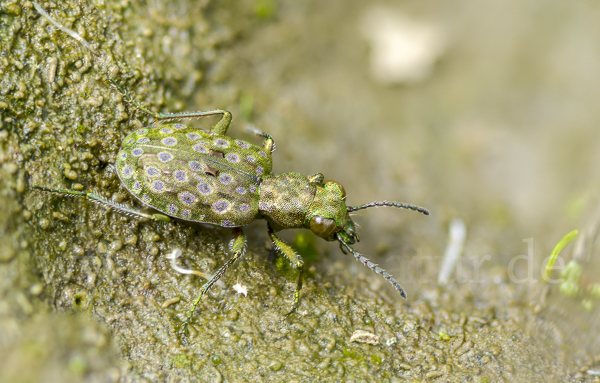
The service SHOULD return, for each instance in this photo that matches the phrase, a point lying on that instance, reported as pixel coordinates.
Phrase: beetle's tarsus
(95, 198)
(269, 143)
(238, 247)
(296, 302)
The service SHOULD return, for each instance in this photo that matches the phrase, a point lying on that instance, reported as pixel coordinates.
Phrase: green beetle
(212, 178)
(209, 177)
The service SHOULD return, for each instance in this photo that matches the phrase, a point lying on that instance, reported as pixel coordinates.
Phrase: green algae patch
(182, 361)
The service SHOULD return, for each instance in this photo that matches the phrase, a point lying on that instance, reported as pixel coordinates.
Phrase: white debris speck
(458, 233)
(402, 50)
(240, 289)
(176, 253)
(361, 336)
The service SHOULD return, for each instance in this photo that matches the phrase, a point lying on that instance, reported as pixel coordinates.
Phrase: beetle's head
(329, 217)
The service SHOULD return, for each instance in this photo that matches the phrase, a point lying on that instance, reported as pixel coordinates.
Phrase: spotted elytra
(209, 177)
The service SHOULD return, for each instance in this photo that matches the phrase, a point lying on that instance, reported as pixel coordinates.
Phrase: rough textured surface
(88, 293)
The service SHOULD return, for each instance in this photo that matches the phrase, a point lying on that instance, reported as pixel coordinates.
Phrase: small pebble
(20, 187)
(169, 302)
(433, 374)
(361, 336)
(101, 248)
(95, 101)
(275, 365)
(116, 245)
(216, 360)
(324, 364)
(10, 167)
(36, 289)
(78, 250)
(12, 9)
(131, 240)
(232, 315)
(464, 348)
(70, 174)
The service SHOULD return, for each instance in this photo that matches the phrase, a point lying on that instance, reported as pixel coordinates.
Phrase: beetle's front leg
(296, 261)
(238, 248)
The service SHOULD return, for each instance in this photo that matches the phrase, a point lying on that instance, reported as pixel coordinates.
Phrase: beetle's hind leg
(220, 128)
(269, 143)
(238, 248)
(296, 261)
(103, 201)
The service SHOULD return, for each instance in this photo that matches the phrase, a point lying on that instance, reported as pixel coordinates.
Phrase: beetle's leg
(220, 128)
(316, 178)
(269, 143)
(238, 247)
(103, 201)
(296, 261)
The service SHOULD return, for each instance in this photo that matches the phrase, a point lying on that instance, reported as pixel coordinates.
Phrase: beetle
(209, 177)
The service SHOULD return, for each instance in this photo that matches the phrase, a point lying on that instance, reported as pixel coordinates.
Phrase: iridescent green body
(212, 178)
(205, 177)
(194, 175)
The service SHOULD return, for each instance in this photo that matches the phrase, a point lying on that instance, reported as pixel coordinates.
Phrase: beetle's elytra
(212, 178)
(194, 175)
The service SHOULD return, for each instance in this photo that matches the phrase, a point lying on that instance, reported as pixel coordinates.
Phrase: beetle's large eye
(323, 227)
(338, 184)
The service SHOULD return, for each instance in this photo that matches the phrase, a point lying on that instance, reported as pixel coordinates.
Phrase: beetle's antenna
(372, 266)
(401, 205)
